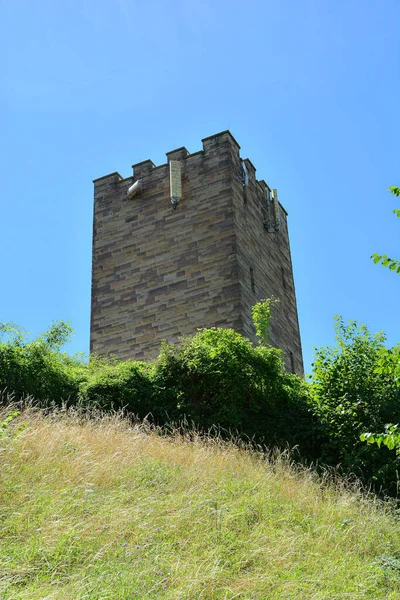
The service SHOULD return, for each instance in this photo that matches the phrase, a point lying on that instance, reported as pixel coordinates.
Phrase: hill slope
(97, 509)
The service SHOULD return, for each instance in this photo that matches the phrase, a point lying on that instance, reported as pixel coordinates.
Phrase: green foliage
(56, 336)
(14, 334)
(7, 431)
(355, 388)
(261, 314)
(214, 378)
(392, 263)
(218, 377)
(390, 438)
(395, 190)
(38, 367)
(115, 384)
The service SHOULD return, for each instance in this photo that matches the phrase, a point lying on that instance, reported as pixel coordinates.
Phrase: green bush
(215, 377)
(355, 388)
(38, 367)
(219, 377)
(118, 385)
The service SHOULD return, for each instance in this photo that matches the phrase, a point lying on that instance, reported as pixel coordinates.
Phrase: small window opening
(292, 362)
(244, 194)
(243, 175)
(283, 278)
(253, 286)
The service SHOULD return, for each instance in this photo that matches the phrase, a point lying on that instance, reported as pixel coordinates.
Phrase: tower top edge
(115, 174)
(226, 131)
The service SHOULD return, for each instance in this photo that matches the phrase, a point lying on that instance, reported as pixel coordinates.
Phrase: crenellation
(142, 168)
(178, 154)
(219, 138)
(251, 170)
(114, 176)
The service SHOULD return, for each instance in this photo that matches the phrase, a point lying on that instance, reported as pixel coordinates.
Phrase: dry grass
(97, 508)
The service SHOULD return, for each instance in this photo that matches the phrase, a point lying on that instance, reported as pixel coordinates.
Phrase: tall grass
(96, 507)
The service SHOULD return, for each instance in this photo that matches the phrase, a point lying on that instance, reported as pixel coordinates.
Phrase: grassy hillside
(95, 508)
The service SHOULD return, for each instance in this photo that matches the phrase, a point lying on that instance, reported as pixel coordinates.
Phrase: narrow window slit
(292, 362)
(253, 286)
(283, 278)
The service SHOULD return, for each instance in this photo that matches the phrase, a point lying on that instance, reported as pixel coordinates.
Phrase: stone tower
(192, 243)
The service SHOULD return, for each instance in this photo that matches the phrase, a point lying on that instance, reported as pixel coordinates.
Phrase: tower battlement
(194, 242)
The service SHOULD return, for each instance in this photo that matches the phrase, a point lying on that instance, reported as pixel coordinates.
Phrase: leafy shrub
(117, 385)
(355, 388)
(389, 438)
(219, 377)
(215, 377)
(38, 367)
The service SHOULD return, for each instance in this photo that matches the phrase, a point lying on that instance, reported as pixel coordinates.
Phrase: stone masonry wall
(159, 273)
(267, 254)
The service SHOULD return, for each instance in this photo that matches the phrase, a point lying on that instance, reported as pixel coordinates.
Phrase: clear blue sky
(310, 89)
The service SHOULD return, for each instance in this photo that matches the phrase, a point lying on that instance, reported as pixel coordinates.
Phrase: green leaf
(389, 442)
(394, 190)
